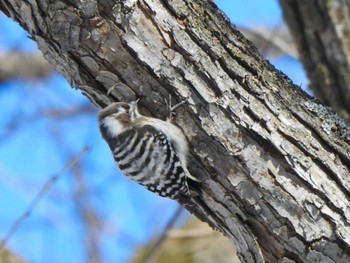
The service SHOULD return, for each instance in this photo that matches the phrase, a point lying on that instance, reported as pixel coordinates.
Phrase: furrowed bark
(273, 162)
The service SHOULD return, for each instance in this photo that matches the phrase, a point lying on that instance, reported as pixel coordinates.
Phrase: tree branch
(19, 65)
(321, 32)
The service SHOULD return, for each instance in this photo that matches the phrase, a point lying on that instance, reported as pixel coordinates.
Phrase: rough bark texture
(273, 163)
(321, 30)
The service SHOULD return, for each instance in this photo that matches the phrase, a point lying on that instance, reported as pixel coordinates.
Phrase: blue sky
(35, 144)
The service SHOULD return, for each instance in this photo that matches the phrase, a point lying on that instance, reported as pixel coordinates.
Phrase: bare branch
(152, 253)
(21, 65)
(46, 187)
(321, 32)
(89, 217)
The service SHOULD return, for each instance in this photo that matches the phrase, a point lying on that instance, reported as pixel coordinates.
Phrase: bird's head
(118, 116)
(117, 110)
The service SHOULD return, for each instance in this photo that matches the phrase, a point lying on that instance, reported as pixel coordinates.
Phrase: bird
(148, 150)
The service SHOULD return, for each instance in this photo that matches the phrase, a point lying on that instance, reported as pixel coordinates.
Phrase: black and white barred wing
(146, 156)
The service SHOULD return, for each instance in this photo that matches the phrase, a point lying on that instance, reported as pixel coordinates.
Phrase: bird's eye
(127, 109)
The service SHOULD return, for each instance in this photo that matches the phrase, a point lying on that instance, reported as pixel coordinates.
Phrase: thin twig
(89, 217)
(40, 195)
(149, 258)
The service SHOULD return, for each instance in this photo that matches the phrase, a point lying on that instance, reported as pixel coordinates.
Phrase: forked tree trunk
(273, 162)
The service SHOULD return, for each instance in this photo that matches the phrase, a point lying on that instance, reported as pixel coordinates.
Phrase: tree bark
(273, 162)
(321, 30)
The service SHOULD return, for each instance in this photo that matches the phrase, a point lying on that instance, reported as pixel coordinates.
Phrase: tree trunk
(321, 30)
(273, 162)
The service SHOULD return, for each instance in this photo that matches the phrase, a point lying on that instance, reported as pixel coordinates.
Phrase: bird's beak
(134, 109)
(133, 104)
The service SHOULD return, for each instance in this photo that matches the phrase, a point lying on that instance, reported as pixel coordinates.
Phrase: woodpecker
(147, 150)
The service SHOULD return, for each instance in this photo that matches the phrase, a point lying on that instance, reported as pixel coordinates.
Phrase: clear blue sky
(34, 145)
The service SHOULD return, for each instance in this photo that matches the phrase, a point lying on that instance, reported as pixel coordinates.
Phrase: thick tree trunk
(321, 30)
(273, 163)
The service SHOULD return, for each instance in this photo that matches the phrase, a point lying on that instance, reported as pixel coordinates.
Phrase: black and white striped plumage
(149, 151)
